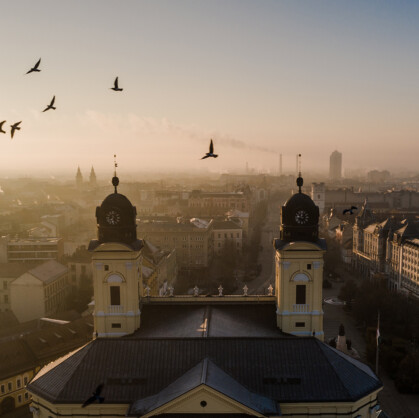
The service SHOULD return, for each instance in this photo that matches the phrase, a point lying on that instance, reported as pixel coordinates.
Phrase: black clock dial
(113, 217)
(301, 217)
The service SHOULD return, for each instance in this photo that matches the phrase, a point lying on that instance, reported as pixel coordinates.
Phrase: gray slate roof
(48, 271)
(294, 369)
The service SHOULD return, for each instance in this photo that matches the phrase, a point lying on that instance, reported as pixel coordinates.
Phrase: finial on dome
(300, 180)
(115, 179)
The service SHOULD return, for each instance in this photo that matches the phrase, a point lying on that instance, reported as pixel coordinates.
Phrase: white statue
(245, 289)
(220, 290)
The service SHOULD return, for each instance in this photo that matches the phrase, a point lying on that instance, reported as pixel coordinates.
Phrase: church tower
(92, 178)
(299, 267)
(79, 178)
(116, 267)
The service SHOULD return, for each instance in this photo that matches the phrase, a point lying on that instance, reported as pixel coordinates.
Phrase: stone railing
(300, 308)
(115, 309)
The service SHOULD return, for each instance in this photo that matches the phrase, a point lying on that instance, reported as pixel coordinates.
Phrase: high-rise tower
(335, 167)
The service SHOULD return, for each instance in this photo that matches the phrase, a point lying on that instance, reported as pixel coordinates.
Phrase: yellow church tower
(116, 266)
(299, 267)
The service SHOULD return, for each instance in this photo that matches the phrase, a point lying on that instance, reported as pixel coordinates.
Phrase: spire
(92, 178)
(79, 177)
(300, 180)
(115, 179)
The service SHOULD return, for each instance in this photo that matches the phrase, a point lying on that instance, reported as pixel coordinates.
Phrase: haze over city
(260, 78)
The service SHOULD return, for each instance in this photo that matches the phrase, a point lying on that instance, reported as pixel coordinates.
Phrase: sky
(260, 77)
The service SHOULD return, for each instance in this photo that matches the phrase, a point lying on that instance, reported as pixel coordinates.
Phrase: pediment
(203, 400)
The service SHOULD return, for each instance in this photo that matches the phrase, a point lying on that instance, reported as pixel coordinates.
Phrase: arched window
(114, 278)
(300, 277)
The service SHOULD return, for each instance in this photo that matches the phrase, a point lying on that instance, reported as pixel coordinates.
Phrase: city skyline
(260, 78)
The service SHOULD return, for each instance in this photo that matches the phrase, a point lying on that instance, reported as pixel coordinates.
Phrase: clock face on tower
(113, 217)
(301, 217)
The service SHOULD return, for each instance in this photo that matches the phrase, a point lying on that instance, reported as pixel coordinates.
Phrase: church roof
(265, 363)
(206, 373)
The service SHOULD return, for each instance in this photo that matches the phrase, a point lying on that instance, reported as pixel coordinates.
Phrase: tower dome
(116, 218)
(299, 217)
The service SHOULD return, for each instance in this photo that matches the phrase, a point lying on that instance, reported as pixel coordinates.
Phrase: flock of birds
(36, 69)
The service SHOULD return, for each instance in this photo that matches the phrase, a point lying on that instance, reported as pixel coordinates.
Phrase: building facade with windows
(227, 233)
(40, 292)
(192, 240)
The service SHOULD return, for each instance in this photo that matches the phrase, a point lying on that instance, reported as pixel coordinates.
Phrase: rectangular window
(300, 324)
(308, 266)
(19, 398)
(6, 298)
(5, 285)
(114, 325)
(18, 383)
(219, 235)
(300, 294)
(2, 389)
(25, 380)
(106, 267)
(26, 396)
(115, 295)
(9, 386)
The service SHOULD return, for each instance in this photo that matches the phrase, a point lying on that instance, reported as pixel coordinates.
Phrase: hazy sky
(260, 77)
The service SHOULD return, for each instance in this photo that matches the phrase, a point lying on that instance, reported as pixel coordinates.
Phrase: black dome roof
(300, 200)
(117, 200)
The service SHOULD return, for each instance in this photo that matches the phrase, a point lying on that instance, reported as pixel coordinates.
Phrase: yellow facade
(215, 403)
(13, 393)
(299, 277)
(117, 286)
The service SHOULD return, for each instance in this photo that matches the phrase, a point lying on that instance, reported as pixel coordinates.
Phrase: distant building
(8, 273)
(40, 292)
(376, 176)
(192, 240)
(32, 249)
(335, 167)
(403, 258)
(225, 232)
(213, 204)
(318, 195)
(159, 268)
(80, 267)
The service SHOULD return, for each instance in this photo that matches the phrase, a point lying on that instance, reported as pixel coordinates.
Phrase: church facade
(207, 355)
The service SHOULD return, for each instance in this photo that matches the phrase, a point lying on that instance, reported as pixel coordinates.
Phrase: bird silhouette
(115, 85)
(1, 127)
(35, 67)
(351, 210)
(95, 396)
(211, 152)
(51, 105)
(14, 127)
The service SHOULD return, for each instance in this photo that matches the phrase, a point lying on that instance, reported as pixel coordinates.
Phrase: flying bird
(1, 127)
(115, 85)
(14, 127)
(51, 105)
(211, 152)
(35, 67)
(351, 210)
(95, 396)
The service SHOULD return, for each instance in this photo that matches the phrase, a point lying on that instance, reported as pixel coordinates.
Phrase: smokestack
(280, 164)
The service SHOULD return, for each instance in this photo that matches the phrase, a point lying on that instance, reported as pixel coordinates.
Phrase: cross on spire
(299, 179)
(115, 179)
